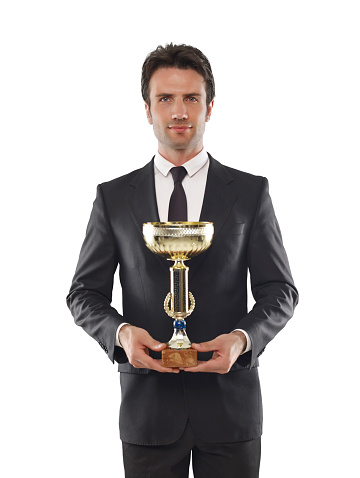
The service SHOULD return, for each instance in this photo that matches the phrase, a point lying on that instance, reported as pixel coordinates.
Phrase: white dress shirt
(194, 184)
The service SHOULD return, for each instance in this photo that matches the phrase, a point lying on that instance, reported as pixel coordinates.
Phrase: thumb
(204, 346)
(155, 345)
(148, 341)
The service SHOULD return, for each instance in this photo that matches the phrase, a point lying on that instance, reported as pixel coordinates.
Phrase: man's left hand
(226, 349)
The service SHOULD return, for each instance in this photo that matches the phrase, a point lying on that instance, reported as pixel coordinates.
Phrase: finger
(193, 369)
(204, 346)
(214, 365)
(155, 364)
(166, 369)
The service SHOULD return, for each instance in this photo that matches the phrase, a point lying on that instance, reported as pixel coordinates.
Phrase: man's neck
(179, 157)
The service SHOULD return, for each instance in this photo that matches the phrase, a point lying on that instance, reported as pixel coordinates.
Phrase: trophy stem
(180, 309)
(179, 289)
(179, 352)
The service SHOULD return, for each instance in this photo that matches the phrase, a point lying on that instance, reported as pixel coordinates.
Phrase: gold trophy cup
(179, 242)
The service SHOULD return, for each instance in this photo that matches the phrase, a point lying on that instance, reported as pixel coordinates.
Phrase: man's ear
(148, 114)
(209, 111)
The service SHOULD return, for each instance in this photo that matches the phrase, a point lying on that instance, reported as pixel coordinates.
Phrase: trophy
(179, 242)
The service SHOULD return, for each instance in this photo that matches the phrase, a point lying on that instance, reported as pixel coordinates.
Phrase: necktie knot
(178, 174)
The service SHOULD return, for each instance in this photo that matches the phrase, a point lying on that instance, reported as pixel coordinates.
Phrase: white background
(287, 107)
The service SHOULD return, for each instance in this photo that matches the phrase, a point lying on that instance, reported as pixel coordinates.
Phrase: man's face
(178, 110)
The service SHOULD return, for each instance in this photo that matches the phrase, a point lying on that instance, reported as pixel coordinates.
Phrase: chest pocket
(238, 228)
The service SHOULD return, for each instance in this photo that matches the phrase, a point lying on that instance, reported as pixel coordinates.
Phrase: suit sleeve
(90, 294)
(272, 284)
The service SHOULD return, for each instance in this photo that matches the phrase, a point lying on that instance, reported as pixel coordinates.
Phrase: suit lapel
(218, 201)
(141, 201)
(142, 198)
(219, 196)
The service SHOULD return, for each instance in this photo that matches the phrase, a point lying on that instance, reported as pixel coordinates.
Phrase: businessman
(212, 412)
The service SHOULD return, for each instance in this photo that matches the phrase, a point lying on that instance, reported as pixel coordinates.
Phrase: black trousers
(230, 460)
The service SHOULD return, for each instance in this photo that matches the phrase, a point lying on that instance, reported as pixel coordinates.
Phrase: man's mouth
(179, 128)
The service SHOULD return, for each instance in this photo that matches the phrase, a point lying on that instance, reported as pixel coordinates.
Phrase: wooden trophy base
(176, 358)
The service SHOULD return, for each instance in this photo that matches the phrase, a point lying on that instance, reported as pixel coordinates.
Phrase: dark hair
(183, 57)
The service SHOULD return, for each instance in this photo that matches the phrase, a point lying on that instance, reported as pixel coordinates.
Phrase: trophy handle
(192, 304)
(170, 312)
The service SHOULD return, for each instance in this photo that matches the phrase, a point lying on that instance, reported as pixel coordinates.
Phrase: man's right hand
(136, 342)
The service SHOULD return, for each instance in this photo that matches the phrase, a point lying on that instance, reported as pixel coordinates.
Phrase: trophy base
(179, 358)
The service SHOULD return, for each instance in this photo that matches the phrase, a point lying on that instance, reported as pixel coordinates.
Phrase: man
(212, 411)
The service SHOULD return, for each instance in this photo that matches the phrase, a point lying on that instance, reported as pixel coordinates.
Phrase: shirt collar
(192, 166)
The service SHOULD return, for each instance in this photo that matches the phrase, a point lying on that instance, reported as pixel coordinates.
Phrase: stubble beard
(182, 144)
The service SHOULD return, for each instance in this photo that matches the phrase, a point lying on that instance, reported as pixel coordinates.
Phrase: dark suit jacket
(155, 407)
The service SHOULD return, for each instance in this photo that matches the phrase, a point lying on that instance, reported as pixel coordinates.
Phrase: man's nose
(179, 111)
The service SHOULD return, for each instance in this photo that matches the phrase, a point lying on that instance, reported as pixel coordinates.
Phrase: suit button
(103, 347)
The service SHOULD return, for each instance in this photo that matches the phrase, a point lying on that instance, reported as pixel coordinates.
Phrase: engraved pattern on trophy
(178, 241)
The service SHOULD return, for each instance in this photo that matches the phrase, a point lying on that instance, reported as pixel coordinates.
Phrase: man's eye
(165, 99)
(192, 98)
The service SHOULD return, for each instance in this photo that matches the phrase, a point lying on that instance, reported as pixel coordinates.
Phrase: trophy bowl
(178, 240)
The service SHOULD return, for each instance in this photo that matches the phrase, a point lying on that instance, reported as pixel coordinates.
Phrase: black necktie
(178, 204)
